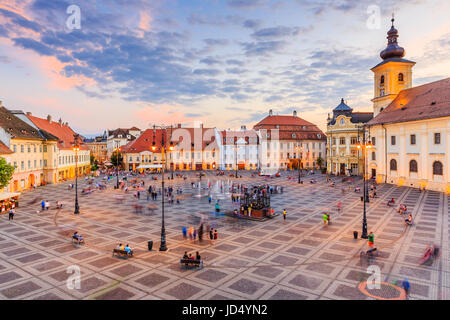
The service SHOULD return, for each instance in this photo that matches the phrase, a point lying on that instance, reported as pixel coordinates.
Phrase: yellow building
(61, 158)
(344, 131)
(98, 148)
(32, 152)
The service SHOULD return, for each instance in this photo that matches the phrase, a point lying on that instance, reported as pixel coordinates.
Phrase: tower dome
(393, 50)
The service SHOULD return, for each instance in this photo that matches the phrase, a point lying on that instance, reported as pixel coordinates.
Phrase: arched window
(393, 165)
(437, 168)
(413, 166)
(400, 77)
(382, 81)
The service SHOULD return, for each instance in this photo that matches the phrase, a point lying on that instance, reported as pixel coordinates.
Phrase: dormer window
(342, 122)
(294, 135)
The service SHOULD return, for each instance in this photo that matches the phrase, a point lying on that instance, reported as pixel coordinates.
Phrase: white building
(411, 128)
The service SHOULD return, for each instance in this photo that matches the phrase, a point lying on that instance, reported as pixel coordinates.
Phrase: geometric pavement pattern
(294, 259)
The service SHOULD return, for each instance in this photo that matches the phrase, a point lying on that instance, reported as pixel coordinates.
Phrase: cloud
(210, 61)
(216, 42)
(213, 20)
(252, 23)
(207, 72)
(236, 70)
(34, 45)
(245, 4)
(263, 47)
(5, 59)
(278, 32)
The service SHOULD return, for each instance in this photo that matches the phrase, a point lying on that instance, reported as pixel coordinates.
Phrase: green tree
(6, 173)
(319, 162)
(114, 158)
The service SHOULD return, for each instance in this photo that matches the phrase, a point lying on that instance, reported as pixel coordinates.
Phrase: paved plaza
(274, 259)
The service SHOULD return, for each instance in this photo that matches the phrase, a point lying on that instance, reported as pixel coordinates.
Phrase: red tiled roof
(62, 131)
(4, 149)
(289, 125)
(145, 140)
(283, 121)
(428, 101)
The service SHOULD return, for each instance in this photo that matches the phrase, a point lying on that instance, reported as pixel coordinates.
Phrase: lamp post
(76, 148)
(236, 164)
(163, 246)
(117, 149)
(364, 146)
(299, 150)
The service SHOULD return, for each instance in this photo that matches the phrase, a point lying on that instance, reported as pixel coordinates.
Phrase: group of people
(189, 256)
(126, 248)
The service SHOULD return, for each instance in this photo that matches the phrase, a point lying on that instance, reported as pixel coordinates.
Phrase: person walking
(211, 236)
(215, 236)
(11, 214)
(406, 286)
(284, 214)
(371, 239)
(184, 231)
(43, 205)
(325, 219)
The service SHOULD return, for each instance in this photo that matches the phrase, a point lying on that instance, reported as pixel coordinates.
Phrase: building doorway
(374, 173)
(342, 169)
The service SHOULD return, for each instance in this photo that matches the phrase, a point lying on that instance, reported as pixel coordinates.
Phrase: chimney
(295, 113)
(60, 122)
(243, 128)
(29, 113)
(179, 125)
(270, 112)
(49, 118)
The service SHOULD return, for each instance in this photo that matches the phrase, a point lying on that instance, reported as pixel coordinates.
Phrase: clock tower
(392, 75)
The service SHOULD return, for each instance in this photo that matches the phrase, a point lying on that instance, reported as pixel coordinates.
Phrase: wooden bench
(191, 262)
(122, 253)
(77, 240)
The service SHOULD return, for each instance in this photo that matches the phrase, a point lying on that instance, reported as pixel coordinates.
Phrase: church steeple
(393, 74)
(393, 50)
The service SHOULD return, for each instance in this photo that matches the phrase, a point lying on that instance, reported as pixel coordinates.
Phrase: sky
(225, 63)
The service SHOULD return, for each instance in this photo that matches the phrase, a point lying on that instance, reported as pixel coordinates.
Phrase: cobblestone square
(297, 258)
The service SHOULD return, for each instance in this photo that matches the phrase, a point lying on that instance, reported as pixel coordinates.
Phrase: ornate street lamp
(76, 148)
(117, 149)
(364, 146)
(163, 246)
(299, 151)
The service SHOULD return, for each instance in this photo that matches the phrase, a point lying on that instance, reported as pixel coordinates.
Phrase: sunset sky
(223, 62)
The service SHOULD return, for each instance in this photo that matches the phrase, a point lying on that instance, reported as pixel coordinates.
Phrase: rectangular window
(45, 148)
(392, 140)
(342, 141)
(437, 138)
(354, 140)
(22, 148)
(29, 164)
(413, 139)
(374, 156)
(29, 148)
(15, 148)
(35, 164)
(374, 141)
(22, 165)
